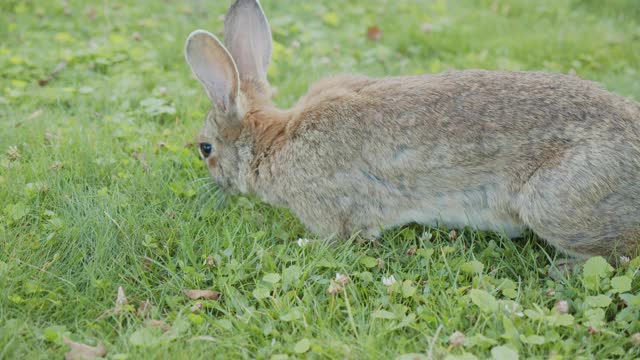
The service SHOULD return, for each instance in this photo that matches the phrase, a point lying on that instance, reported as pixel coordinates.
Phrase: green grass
(80, 215)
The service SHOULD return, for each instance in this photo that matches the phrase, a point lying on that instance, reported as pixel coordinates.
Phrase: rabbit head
(234, 76)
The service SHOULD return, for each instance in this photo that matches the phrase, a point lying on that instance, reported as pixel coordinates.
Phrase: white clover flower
(457, 339)
(334, 288)
(302, 242)
(427, 235)
(513, 308)
(562, 307)
(342, 279)
(389, 281)
(624, 260)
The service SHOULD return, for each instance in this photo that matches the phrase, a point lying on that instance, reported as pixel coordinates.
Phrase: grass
(101, 188)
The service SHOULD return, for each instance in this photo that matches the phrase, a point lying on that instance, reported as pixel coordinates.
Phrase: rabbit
(494, 150)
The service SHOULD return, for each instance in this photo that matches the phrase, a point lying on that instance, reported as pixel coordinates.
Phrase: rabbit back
(455, 148)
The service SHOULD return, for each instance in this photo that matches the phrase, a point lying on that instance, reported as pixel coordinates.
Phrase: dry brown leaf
(145, 309)
(91, 13)
(66, 9)
(551, 292)
(80, 351)
(157, 324)
(50, 137)
(142, 160)
(374, 33)
(121, 301)
(35, 114)
(495, 7)
(147, 264)
(201, 338)
(426, 28)
(202, 294)
(412, 250)
(196, 307)
(61, 65)
(13, 153)
(210, 261)
(56, 166)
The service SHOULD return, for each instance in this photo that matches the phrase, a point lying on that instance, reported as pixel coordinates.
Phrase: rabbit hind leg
(585, 207)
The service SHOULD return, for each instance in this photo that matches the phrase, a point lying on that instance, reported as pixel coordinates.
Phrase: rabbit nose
(205, 149)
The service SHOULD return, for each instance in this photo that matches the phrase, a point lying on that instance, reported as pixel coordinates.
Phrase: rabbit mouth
(224, 184)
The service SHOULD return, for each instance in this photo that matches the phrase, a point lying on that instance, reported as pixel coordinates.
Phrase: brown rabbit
(500, 151)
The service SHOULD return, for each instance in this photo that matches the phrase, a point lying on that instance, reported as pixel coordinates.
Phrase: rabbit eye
(205, 149)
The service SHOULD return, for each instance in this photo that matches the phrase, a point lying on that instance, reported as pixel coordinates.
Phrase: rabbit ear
(248, 38)
(214, 67)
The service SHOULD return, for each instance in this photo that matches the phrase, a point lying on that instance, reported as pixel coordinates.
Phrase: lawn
(101, 188)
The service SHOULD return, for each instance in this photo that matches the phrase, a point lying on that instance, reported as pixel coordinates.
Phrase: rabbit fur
(500, 151)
